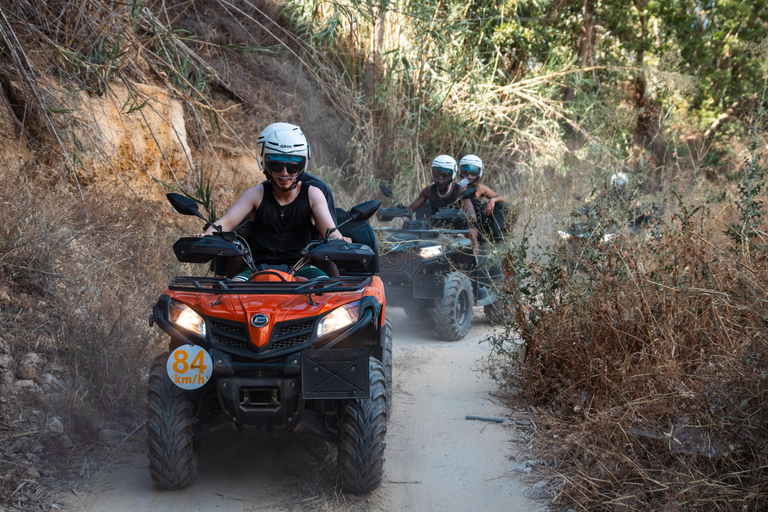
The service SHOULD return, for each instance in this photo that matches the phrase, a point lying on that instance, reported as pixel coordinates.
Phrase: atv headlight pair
(431, 251)
(186, 317)
(339, 318)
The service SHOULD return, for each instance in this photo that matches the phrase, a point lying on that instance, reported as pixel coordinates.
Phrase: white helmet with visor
(283, 145)
(471, 168)
(444, 169)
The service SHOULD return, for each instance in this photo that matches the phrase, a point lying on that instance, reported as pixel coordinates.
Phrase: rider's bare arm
(467, 204)
(493, 198)
(420, 200)
(248, 202)
(320, 213)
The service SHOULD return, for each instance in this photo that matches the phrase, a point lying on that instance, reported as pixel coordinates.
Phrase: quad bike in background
(592, 227)
(273, 355)
(429, 268)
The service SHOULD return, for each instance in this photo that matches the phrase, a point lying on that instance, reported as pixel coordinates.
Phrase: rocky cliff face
(131, 136)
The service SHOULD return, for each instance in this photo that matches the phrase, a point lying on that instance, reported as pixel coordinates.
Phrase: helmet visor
(442, 173)
(274, 163)
(469, 170)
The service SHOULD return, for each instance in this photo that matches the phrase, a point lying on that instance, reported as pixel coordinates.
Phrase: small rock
(51, 383)
(55, 425)
(33, 473)
(55, 368)
(16, 447)
(25, 385)
(5, 361)
(66, 442)
(110, 437)
(522, 468)
(4, 297)
(30, 365)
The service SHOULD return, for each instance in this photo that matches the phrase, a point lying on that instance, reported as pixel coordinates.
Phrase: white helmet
(619, 180)
(284, 143)
(445, 163)
(471, 167)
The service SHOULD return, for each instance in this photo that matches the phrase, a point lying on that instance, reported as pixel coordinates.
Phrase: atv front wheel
(453, 313)
(363, 426)
(172, 458)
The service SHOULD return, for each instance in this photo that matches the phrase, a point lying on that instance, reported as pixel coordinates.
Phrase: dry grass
(82, 275)
(651, 361)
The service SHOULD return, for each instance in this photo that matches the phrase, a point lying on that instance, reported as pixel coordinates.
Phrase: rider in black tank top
(436, 202)
(280, 232)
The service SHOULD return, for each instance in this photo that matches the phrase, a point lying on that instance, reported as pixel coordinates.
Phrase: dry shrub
(82, 275)
(652, 358)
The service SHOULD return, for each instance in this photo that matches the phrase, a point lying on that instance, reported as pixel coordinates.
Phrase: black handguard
(346, 255)
(391, 213)
(195, 249)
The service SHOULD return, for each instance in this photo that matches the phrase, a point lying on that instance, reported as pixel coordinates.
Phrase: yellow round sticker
(189, 366)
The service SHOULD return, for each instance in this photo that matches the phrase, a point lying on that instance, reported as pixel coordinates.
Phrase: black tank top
(436, 202)
(280, 232)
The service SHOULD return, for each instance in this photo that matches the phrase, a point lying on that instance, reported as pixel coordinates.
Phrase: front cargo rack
(224, 286)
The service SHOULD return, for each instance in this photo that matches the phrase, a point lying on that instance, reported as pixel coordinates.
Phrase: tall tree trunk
(586, 42)
(648, 132)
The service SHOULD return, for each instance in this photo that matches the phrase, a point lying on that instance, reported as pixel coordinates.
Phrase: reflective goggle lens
(291, 163)
(441, 172)
(469, 170)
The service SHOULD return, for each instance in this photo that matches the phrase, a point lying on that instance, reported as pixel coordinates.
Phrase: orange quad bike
(273, 355)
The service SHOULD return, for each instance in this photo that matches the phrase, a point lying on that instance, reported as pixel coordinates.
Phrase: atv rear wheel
(363, 426)
(453, 313)
(499, 311)
(386, 360)
(170, 436)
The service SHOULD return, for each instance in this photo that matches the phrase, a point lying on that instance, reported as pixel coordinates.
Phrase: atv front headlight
(339, 318)
(432, 251)
(186, 317)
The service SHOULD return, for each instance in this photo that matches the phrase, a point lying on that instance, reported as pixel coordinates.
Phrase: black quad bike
(273, 355)
(590, 228)
(429, 268)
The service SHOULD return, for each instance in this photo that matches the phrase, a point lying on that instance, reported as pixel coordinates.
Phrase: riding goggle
(275, 163)
(470, 170)
(441, 173)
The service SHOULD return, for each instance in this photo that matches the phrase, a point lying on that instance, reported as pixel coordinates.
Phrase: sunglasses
(441, 172)
(469, 171)
(275, 164)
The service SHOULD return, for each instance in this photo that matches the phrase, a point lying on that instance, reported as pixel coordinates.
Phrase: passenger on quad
(444, 193)
(493, 216)
(284, 210)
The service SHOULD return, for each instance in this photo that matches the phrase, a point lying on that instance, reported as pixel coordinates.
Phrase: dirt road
(436, 460)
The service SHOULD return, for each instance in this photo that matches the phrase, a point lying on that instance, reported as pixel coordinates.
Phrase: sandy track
(436, 460)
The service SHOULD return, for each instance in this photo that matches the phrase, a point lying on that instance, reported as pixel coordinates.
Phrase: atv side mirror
(183, 204)
(364, 211)
(468, 193)
(187, 206)
(386, 191)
